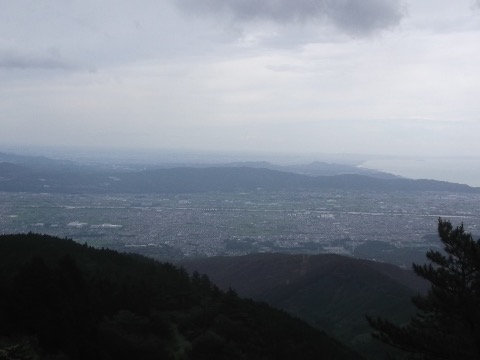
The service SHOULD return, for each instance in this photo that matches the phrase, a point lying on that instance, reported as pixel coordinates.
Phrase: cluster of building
(224, 223)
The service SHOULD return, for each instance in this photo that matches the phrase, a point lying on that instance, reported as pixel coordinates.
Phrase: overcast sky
(327, 76)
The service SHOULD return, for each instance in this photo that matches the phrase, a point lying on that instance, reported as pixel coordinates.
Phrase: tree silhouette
(447, 325)
(63, 300)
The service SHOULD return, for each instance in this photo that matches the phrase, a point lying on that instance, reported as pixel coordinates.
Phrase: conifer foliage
(60, 300)
(447, 325)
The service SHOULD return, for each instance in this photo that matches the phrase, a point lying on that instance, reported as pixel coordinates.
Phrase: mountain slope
(329, 291)
(63, 300)
(315, 168)
(192, 180)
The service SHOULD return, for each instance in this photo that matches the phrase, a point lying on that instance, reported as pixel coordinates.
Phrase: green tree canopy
(447, 325)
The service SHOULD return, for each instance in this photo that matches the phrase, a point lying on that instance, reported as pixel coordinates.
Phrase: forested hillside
(63, 300)
(332, 292)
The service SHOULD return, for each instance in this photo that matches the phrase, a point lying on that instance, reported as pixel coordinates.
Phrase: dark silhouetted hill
(63, 300)
(329, 291)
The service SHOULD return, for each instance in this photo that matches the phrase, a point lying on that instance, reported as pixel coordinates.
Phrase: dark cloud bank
(358, 17)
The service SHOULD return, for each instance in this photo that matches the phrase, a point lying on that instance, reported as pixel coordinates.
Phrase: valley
(393, 226)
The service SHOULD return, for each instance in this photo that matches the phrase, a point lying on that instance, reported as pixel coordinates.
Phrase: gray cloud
(365, 16)
(12, 59)
(357, 17)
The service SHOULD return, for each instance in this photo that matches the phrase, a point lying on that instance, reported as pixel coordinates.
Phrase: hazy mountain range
(39, 174)
(315, 168)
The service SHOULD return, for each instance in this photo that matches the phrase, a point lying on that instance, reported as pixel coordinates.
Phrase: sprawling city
(174, 226)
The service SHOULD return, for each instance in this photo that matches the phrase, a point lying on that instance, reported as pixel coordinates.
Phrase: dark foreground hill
(63, 300)
(331, 292)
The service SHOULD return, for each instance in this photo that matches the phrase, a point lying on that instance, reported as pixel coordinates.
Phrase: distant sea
(457, 170)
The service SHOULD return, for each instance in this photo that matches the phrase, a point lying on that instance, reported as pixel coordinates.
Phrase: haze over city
(381, 77)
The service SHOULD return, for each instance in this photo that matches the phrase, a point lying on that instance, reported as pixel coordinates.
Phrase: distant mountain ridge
(315, 168)
(32, 161)
(191, 180)
(44, 175)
